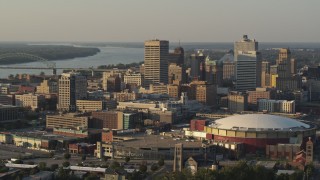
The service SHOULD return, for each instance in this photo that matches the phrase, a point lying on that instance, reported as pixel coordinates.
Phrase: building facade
(156, 54)
(72, 87)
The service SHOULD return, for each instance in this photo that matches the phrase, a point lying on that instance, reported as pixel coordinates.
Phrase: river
(107, 55)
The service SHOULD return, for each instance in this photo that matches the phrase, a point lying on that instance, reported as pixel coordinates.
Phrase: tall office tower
(72, 87)
(248, 64)
(198, 66)
(265, 74)
(293, 67)
(245, 45)
(177, 56)
(156, 54)
(178, 157)
(284, 63)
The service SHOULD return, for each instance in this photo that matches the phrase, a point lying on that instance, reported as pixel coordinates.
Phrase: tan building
(70, 120)
(158, 88)
(133, 78)
(108, 77)
(176, 74)
(203, 92)
(228, 70)
(259, 93)
(284, 63)
(173, 90)
(33, 101)
(48, 87)
(72, 87)
(108, 119)
(237, 102)
(156, 54)
(89, 105)
(126, 96)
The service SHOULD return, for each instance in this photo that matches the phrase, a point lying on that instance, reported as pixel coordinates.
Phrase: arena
(256, 131)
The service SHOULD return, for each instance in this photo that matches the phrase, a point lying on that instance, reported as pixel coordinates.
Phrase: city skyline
(122, 21)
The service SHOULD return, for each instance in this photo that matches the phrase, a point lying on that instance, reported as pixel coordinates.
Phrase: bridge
(49, 65)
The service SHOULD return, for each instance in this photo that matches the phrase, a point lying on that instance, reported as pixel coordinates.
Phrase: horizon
(137, 21)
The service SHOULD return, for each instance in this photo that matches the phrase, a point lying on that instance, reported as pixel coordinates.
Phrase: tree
(161, 162)
(42, 73)
(18, 161)
(115, 165)
(154, 167)
(42, 166)
(4, 169)
(67, 156)
(11, 76)
(105, 158)
(66, 164)
(83, 157)
(51, 154)
(127, 159)
(143, 168)
(54, 167)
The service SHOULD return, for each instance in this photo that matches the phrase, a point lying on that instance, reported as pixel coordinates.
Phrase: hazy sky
(139, 20)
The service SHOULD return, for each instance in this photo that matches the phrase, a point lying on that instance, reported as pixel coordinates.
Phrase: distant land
(50, 52)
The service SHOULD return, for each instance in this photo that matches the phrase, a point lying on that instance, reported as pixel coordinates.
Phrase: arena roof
(258, 122)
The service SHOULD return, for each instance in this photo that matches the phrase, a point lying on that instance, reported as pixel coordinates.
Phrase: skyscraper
(72, 87)
(248, 64)
(198, 66)
(284, 63)
(156, 54)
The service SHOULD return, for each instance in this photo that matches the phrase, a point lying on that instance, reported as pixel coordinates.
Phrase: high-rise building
(283, 63)
(248, 64)
(176, 74)
(72, 87)
(198, 66)
(156, 54)
(177, 56)
(265, 74)
(245, 45)
(285, 80)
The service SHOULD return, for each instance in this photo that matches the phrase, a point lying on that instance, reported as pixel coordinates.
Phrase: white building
(29, 100)
(133, 78)
(282, 106)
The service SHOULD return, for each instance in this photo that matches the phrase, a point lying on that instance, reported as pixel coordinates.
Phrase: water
(107, 55)
(114, 53)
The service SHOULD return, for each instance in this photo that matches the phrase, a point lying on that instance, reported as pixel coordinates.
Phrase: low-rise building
(89, 105)
(70, 120)
(10, 113)
(282, 106)
(34, 101)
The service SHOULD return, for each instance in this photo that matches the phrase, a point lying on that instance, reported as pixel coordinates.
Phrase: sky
(173, 20)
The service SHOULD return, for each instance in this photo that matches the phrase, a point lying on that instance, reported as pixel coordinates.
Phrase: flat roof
(157, 141)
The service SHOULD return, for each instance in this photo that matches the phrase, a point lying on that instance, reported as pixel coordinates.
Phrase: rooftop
(258, 122)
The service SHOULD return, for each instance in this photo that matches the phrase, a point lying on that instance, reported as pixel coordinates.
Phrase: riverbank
(49, 52)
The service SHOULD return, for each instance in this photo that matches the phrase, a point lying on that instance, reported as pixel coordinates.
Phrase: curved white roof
(258, 121)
